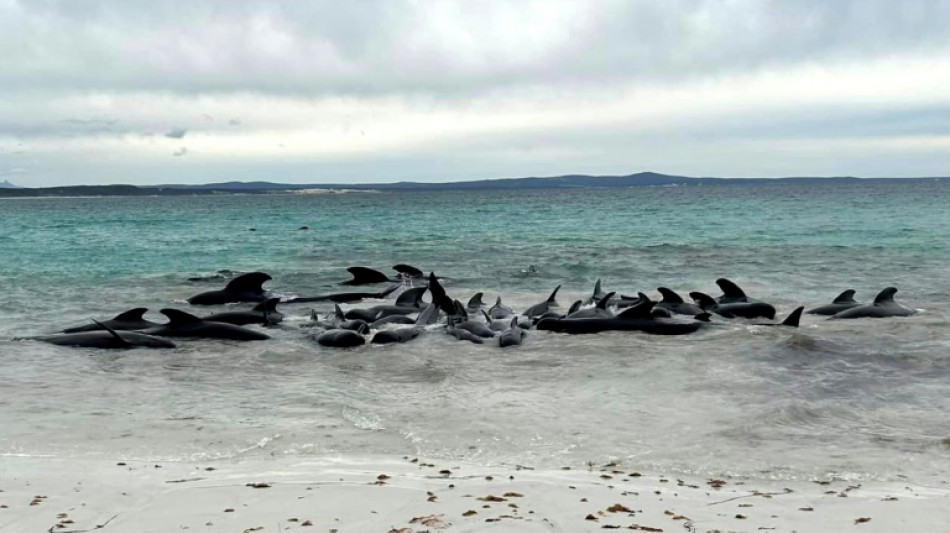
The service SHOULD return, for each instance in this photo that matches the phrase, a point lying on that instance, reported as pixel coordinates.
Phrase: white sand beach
(412, 495)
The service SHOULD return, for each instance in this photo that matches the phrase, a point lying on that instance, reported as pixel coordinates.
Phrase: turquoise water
(868, 398)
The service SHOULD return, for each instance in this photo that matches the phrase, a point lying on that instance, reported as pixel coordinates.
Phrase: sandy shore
(411, 495)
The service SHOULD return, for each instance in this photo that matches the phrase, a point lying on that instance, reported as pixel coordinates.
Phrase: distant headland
(572, 181)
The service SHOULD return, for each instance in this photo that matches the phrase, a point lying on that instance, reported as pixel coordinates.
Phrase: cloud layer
(378, 90)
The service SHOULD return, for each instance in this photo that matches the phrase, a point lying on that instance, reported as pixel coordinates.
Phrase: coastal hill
(7, 185)
(572, 181)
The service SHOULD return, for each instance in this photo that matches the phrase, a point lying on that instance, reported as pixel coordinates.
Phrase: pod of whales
(411, 315)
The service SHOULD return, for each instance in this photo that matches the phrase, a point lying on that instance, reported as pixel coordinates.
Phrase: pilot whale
(344, 297)
(182, 324)
(264, 313)
(106, 338)
(244, 288)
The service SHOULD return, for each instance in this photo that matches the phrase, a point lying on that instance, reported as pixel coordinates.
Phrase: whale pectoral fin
(364, 276)
(177, 317)
(845, 297)
(131, 315)
(793, 318)
(730, 289)
(885, 296)
(114, 333)
(250, 282)
(669, 296)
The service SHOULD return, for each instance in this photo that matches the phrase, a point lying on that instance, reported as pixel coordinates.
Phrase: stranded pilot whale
(264, 313)
(106, 338)
(130, 320)
(883, 306)
(182, 324)
(244, 288)
(344, 297)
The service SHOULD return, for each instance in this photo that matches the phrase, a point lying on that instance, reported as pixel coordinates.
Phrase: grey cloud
(234, 122)
(176, 133)
(180, 152)
(440, 48)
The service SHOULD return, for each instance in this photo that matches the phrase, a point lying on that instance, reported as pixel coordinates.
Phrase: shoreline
(409, 494)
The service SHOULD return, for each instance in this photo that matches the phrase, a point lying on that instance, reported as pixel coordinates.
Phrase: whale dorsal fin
(497, 302)
(177, 317)
(642, 310)
(846, 297)
(885, 296)
(250, 282)
(476, 301)
(386, 292)
(411, 297)
(702, 317)
(269, 304)
(408, 270)
(114, 333)
(602, 303)
(597, 289)
(338, 312)
(554, 294)
(730, 289)
(793, 318)
(131, 314)
(575, 306)
(514, 322)
(313, 315)
(703, 300)
(669, 297)
(365, 276)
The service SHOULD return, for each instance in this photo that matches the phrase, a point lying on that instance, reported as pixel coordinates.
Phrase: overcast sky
(130, 91)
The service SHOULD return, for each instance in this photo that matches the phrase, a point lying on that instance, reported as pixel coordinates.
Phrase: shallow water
(864, 398)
